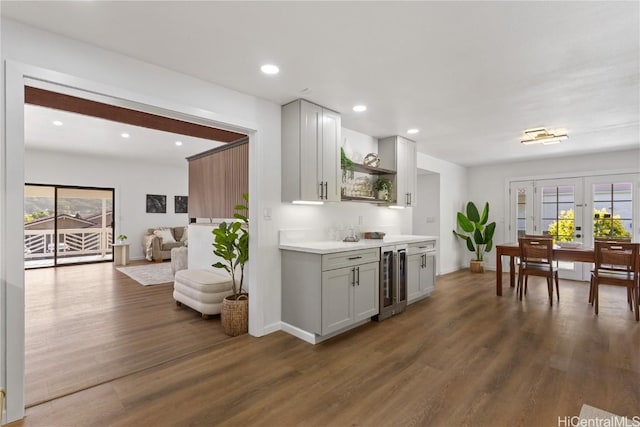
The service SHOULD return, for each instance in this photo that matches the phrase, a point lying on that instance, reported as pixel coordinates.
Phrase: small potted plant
(121, 238)
(383, 188)
(477, 233)
(231, 243)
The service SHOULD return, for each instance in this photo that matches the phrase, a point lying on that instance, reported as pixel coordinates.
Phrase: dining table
(512, 250)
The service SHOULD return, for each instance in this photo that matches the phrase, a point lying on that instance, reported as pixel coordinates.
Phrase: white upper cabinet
(310, 142)
(400, 154)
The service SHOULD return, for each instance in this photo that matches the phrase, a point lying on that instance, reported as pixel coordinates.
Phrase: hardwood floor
(461, 357)
(88, 324)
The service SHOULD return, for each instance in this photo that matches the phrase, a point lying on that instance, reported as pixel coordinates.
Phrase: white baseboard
(274, 327)
(298, 333)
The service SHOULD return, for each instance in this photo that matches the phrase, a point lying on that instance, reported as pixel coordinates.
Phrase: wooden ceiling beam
(73, 104)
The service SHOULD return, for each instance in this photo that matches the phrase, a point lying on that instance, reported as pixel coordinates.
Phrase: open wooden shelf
(364, 199)
(372, 171)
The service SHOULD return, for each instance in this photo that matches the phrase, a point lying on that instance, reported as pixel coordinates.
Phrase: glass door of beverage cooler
(402, 276)
(387, 273)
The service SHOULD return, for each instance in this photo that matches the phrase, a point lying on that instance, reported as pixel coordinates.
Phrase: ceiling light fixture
(544, 136)
(125, 135)
(57, 123)
(178, 143)
(270, 69)
(413, 131)
(359, 108)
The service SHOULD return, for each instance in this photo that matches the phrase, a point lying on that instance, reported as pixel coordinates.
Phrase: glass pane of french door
(612, 207)
(558, 213)
(521, 209)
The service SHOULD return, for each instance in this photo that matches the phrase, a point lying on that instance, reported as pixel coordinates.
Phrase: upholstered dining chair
(617, 265)
(536, 259)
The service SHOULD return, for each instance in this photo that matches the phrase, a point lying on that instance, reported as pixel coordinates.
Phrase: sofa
(158, 242)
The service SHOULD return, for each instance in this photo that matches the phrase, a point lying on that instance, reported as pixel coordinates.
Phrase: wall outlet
(431, 219)
(360, 220)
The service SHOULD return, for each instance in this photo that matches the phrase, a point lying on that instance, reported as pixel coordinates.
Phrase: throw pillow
(165, 235)
(185, 235)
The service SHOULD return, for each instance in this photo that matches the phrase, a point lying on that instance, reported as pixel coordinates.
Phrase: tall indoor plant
(477, 233)
(231, 244)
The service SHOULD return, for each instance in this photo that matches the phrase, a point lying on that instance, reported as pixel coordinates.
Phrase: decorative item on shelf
(479, 234)
(347, 166)
(383, 187)
(231, 243)
(371, 160)
(121, 238)
(373, 235)
(362, 187)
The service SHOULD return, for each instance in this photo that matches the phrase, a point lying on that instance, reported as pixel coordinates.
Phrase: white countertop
(329, 247)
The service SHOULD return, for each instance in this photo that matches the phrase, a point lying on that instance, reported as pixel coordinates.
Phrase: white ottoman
(179, 259)
(201, 290)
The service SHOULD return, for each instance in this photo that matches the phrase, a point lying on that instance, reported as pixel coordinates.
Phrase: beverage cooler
(393, 281)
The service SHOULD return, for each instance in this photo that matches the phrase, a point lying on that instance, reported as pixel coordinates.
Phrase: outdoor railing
(71, 242)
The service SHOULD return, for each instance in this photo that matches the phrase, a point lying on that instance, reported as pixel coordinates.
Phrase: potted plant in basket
(477, 233)
(231, 244)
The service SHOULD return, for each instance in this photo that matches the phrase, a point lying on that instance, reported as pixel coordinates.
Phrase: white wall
(131, 179)
(50, 57)
(489, 183)
(426, 216)
(453, 196)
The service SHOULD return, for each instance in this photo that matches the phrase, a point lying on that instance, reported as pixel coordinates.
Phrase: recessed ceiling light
(359, 108)
(57, 123)
(270, 69)
(125, 135)
(413, 131)
(178, 143)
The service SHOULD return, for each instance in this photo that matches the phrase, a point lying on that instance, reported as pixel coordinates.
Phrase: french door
(549, 207)
(67, 225)
(576, 210)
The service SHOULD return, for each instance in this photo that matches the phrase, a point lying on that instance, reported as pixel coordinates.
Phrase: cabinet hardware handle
(353, 278)
(423, 247)
(326, 191)
(358, 270)
(321, 191)
(354, 257)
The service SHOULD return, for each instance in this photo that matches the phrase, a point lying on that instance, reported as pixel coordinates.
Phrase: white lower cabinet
(324, 294)
(421, 277)
(349, 295)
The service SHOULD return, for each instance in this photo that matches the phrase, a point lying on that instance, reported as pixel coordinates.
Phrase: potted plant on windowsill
(231, 244)
(477, 233)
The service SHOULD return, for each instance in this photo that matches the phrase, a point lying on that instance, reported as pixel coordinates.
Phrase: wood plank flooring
(461, 357)
(88, 324)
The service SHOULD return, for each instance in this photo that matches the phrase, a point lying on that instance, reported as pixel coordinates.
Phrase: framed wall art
(181, 204)
(156, 203)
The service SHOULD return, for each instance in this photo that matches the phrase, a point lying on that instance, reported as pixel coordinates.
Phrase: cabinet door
(337, 299)
(330, 154)
(310, 151)
(428, 275)
(407, 172)
(366, 291)
(414, 273)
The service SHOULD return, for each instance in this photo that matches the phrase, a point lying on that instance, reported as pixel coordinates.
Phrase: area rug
(598, 417)
(151, 274)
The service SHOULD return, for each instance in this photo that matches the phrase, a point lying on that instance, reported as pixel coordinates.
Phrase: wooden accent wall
(217, 181)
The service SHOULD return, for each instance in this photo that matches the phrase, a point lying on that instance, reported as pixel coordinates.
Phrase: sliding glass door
(67, 225)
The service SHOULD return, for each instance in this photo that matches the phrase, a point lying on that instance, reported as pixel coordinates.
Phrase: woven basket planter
(235, 315)
(476, 266)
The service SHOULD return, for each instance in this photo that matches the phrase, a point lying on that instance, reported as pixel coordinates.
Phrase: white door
(558, 211)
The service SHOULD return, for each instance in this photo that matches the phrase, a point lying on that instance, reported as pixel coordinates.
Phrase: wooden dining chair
(536, 259)
(617, 265)
(608, 239)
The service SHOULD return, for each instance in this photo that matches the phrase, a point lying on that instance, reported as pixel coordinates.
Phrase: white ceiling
(87, 135)
(470, 75)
